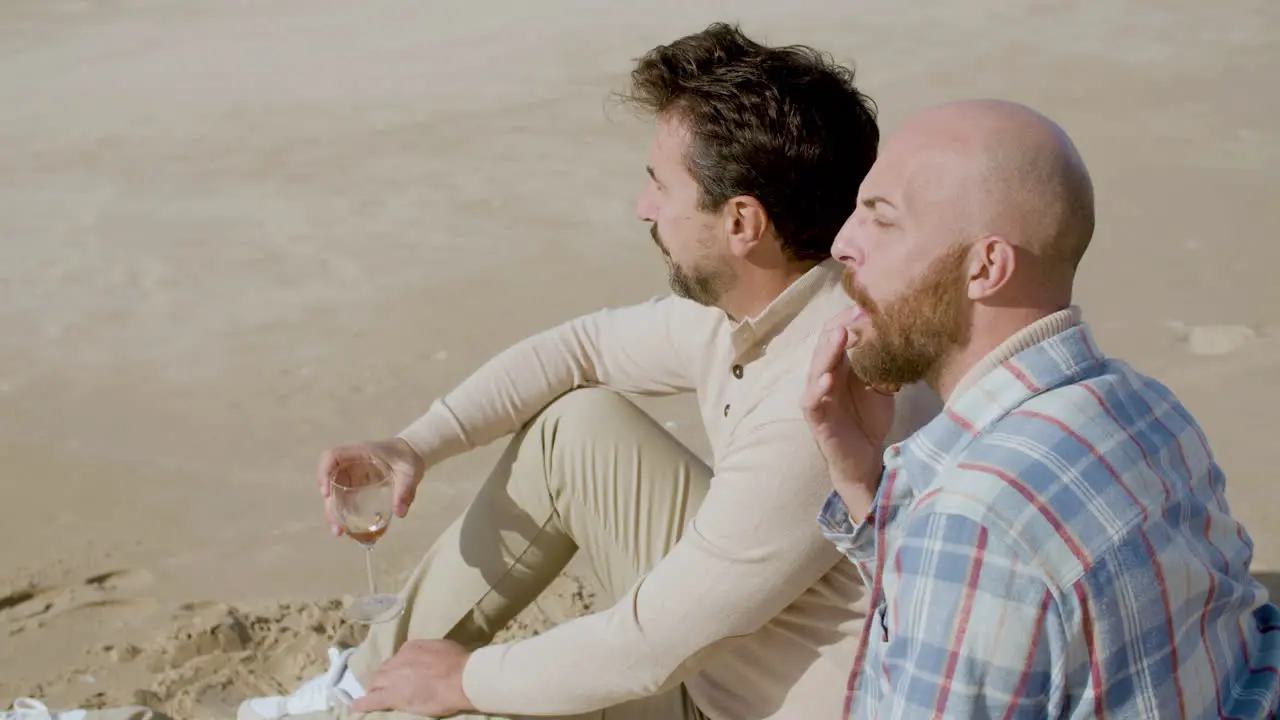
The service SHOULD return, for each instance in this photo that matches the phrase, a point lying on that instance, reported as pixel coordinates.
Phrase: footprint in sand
(117, 580)
(29, 603)
(101, 592)
(18, 598)
(1213, 340)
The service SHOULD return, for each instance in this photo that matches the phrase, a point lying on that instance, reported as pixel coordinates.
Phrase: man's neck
(756, 288)
(981, 344)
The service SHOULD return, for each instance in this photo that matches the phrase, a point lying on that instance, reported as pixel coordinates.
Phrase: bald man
(1057, 543)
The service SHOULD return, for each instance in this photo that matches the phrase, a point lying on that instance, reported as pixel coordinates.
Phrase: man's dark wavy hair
(785, 125)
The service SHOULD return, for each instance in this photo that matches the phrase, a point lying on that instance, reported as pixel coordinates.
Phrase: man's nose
(845, 248)
(645, 207)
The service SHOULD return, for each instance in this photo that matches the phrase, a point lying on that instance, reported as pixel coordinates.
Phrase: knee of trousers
(586, 411)
(587, 420)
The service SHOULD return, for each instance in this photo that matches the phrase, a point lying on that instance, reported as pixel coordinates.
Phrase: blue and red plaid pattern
(1057, 544)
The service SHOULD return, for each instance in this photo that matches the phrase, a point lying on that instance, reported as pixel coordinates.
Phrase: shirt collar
(793, 308)
(1054, 351)
(1026, 338)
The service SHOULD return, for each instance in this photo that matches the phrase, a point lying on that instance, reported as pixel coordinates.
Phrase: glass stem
(373, 578)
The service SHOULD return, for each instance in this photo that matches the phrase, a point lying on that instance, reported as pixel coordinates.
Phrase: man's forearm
(498, 398)
(634, 349)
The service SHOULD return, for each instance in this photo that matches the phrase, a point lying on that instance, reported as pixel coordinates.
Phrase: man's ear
(992, 261)
(745, 224)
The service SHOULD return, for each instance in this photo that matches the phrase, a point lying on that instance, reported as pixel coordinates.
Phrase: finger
(853, 337)
(328, 459)
(818, 397)
(809, 399)
(827, 352)
(845, 318)
(373, 701)
(406, 490)
(822, 389)
(331, 517)
(812, 392)
(378, 679)
(404, 498)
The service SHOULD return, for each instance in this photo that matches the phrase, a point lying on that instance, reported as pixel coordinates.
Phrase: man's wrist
(873, 484)
(859, 495)
(407, 449)
(435, 436)
(411, 454)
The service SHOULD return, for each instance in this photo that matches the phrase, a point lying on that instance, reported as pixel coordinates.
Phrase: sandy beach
(233, 234)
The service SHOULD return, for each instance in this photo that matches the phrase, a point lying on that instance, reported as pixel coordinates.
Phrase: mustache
(857, 293)
(657, 239)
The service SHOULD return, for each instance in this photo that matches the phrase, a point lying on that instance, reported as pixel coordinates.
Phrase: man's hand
(848, 418)
(406, 465)
(423, 678)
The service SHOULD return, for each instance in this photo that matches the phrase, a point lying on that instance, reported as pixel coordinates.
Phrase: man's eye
(880, 223)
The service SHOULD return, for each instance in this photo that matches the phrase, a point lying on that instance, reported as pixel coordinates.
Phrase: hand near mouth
(853, 338)
(849, 418)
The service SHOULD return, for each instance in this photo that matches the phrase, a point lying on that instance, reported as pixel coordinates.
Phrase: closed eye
(654, 177)
(871, 203)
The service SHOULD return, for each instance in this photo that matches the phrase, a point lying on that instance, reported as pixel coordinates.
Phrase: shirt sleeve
(856, 541)
(652, 348)
(915, 406)
(750, 551)
(970, 629)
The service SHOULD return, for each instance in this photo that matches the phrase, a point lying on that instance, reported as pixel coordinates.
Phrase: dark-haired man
(723, 598)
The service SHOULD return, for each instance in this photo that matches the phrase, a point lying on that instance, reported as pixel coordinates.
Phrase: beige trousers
(591, 473)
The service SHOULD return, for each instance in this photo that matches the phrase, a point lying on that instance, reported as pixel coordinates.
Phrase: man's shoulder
(1069, 473)
(1092, 420)
(1100, 428)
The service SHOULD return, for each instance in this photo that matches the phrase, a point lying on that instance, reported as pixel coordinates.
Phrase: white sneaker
(337, 686)
(31, 709)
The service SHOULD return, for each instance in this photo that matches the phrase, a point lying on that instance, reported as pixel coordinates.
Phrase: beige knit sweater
(753, 609)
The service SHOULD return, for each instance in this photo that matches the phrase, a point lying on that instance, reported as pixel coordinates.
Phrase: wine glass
(363, 490)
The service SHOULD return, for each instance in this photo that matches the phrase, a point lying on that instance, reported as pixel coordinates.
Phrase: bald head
(1000, 168)
(968, 228)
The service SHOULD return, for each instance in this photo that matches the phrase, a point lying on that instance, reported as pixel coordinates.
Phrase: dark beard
(704, 286)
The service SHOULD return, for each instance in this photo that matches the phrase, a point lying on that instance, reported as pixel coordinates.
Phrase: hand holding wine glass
(362, 492)
(407, 469)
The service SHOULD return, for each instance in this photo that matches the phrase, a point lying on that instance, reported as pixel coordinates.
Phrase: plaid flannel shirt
(1057, 544)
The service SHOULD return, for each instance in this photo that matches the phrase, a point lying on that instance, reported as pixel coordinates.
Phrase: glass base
(373, 609)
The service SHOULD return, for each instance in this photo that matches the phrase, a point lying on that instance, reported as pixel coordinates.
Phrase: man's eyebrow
(649, 168)
(871, 202)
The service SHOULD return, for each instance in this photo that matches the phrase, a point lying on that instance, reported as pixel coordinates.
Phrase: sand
(233, 233)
